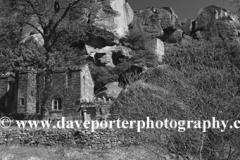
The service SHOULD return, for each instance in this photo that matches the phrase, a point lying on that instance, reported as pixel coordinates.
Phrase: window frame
(68, 78)
(57, 104)
(22, 101)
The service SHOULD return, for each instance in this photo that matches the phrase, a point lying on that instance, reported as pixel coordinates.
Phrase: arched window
(84, 84)
(68, 78)
(57, 104)
(22, 102)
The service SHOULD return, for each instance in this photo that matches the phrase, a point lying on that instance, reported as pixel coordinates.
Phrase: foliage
(34, 35)
(135, 39)
(200, 81)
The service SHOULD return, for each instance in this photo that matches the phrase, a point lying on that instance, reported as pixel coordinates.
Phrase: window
(32, 93)
(56, 104)
(22, 101)
(84, 84)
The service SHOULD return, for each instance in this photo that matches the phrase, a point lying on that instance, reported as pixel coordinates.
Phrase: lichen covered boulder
(109, 55)
(155, 46)
(157, 22)
(30, 33)
(111, 15)
(215, 22)
(110, 90)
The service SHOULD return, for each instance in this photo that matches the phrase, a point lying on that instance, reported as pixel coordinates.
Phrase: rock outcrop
(155, 46)
(158, 23)
(111, 15)
(110, 90)
(215, 22)
(212, 22)
(186, 26)
(173, 36)
(131, 75)
(109, 55)
(30, 33)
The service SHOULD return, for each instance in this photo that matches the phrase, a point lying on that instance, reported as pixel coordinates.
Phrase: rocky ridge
(161, 25)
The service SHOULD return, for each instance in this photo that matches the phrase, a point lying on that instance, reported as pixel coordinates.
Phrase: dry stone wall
(101, 139)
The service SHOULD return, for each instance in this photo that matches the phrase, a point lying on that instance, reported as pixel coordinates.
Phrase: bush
(136, 39)
(200, 81)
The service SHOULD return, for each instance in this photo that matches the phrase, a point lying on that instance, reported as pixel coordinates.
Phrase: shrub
(136, 39)
(200, 81)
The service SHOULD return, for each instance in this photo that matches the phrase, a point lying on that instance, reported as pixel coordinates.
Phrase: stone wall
(22, 93)
(101, 139)
(3, 93)
(32, 93)
(70, 85)
(66, 86)
(26, 95)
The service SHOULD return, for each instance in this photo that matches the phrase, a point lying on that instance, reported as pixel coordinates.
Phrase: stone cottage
(22, 92)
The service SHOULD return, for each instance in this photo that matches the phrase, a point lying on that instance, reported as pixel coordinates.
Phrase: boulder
(215, 22)
(131, 75)
(31, 33)
(37, 38)
(117, 24)
(110, 90)
(111, 15)
(155, 46)
(174, 36)
(109, 55)
(186, 26)
(156, 22)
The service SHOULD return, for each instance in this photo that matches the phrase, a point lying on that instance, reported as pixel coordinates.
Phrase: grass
(58, 153)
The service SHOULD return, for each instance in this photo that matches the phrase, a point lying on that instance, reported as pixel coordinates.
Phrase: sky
(183, 8)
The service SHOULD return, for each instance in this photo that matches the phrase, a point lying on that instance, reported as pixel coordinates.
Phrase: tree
(54, 32)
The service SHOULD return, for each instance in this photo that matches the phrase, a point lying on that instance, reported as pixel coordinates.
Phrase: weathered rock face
(117, 24)
(174, 36)
(156, 22)
(30, 33)
(215, 22)
(104, 17)
(156, 46)
(186, 26)
(109, 55)
(110, 90)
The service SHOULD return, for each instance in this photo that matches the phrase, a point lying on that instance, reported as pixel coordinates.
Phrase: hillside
(149, 63)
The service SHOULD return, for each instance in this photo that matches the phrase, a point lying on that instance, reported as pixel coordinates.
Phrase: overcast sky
(183, 8)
